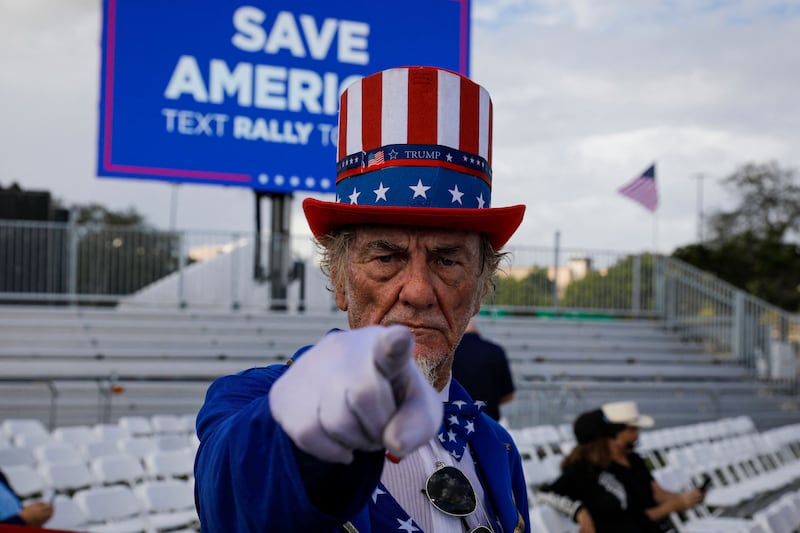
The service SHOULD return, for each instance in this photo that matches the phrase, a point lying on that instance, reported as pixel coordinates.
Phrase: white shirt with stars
(406, 479)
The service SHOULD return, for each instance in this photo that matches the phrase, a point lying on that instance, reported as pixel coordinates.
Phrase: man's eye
(385, 258)
(447, 262)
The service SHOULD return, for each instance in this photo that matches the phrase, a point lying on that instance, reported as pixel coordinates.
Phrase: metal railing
(727, 320)
(45, 262)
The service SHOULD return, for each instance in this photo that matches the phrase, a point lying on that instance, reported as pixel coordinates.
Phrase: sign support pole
(279, 260)
(279, 248)
(258, 268)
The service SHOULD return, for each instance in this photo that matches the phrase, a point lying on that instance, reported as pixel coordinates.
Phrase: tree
(98, 214)
(612, 289)
(751, 245)
(534, 290)
(118, 253)
(769, 206)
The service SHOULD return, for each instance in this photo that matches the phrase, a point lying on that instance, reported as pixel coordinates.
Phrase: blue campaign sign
(246, 94)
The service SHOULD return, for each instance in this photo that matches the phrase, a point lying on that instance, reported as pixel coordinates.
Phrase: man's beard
(429, 369)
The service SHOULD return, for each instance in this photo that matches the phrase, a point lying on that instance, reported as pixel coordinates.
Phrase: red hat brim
(498, 223)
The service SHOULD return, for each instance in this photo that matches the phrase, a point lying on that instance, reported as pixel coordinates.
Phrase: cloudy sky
(587, 94)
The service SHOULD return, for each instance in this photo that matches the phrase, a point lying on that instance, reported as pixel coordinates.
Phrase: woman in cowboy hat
(647, 495)
(586, 491)
(351, 435)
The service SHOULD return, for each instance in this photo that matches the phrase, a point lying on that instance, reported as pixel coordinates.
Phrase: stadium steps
(563, 366)
(163, 361)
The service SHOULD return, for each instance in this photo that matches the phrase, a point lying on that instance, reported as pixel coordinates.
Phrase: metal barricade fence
(119, 265)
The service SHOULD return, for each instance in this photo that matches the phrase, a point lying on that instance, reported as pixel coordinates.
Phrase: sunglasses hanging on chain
(449, 491)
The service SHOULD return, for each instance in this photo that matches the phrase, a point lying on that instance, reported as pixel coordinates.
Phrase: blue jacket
(250, 477)
(10, 500)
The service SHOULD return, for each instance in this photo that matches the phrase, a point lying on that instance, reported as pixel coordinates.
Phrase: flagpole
(655, 231)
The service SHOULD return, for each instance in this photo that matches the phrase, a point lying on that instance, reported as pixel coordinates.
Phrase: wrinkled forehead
(412, 236)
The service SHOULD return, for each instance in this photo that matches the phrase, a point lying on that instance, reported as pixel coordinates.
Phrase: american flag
(375, 159)
(643, 189)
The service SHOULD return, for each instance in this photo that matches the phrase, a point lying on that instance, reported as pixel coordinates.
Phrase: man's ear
(339, 291)
(341, 299)
(476, 308)
(483, 290)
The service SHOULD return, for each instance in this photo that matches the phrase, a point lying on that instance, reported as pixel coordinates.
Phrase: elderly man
(366, 430)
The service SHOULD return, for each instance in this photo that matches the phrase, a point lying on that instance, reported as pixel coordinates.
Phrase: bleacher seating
(565, 366)
(84, 365)
(146, 362)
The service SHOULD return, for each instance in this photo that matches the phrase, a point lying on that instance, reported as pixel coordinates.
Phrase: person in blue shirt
(366, 430)
(12, 511)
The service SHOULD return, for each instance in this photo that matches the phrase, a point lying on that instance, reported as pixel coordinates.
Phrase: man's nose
(418, 290)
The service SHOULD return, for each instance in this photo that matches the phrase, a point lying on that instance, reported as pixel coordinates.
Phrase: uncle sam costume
(235, 407)
(414, 150)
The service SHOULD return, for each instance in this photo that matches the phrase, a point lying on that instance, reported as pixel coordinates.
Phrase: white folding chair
(715, 524)
(13, 456)
(109, 432)
(169, 503)
(545, 438)
(743, 424)
(114, 469)
(25, 481)
(673, 477)
(189, 422)
(113, 509)
(136, 425)
(24, 426)
(170, 463)
(137, 446)
(545, 519)
(100, 448)
(167, 424)
(566, 431)
(781, 515)
(67, 477)
(67, 515)
(74, 435)
(539, 472)
(552, 466)
(31, 440)
(172, 441)
(194, 442)
(55, 452)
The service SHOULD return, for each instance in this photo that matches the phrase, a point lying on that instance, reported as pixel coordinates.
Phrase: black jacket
(582, 485)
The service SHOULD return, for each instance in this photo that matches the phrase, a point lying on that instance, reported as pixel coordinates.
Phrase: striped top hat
(415, 149)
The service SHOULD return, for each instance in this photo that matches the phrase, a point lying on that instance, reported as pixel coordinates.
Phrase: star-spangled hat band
(415, 149)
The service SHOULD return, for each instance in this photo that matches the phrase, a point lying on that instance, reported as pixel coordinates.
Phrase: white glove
(357, 390)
